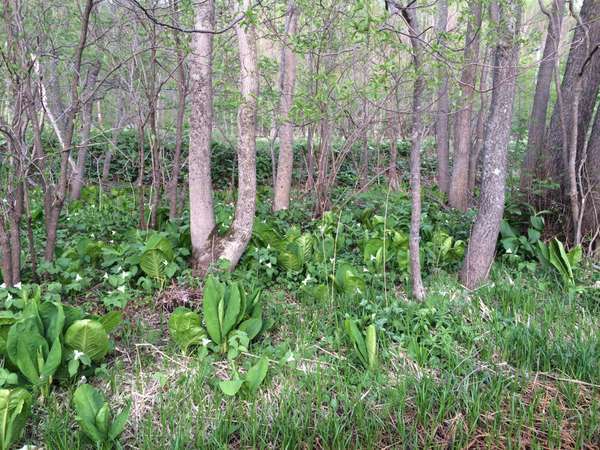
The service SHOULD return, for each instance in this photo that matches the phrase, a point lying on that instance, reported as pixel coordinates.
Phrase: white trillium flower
(290, 358)
(269, 265)
(205, 341)
(3, 286)
(306, 280)
(18, 285)
(373, 257)
(105, 276)
(121, 289)
(365, 269)
(77, 355)
(78, 277)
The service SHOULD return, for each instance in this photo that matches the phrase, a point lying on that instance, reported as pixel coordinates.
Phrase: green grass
(513, 364)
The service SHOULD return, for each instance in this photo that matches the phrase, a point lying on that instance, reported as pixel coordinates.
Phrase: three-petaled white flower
(18, 285)
(205, 341)
(78, 277)
(77, 355)
(121, 289)
(105, 276)
(307, 279)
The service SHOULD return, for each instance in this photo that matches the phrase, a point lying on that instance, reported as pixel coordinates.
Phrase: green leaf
(119, 423)
(185, 328)
(90, 337)
(357, 340)
(371, 344)
(256, 374)
(251, 327)
(103, 419)
(88, 401)
(53, 318)
(53, 360)
(230, 387)
(111, 320)
(153, 263)
(232, 308)
(213, 294)
(15, 408)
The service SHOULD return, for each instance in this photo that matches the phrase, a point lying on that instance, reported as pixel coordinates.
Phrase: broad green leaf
(119, 423)
(232, 308)
(88, 336)
(185, 328)
(153, 263)
(251, 327)
(230, 387)
(213, 294)
(256, 374)
(15, 408)
(111, 320)
(88, 401)
(53, 318)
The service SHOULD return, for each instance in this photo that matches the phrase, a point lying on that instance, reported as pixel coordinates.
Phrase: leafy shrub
(95, 417)
(232, 319)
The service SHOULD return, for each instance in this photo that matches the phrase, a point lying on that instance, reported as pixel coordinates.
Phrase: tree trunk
(202, 220)
(482, 243)
(286, 133)
(181, 95)
(410, 16)
(235, 243)
(442, 133)
(394, 132)
(140, 180)
(459, 185)
(59, 192)
(480, 128)
(590, 176)
(78, 176)
(537, 123)
(552, 163)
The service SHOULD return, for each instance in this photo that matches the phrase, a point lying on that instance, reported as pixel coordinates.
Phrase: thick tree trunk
(235, 243)
(459, 185)
(590, 176)
(537, 123)
(202, 220)
(78, 176)
(286, 133)
(442, 132)
(482, 244)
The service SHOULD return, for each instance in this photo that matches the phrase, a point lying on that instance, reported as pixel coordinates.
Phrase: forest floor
(513, 364)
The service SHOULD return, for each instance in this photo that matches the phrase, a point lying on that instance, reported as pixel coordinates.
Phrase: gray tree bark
(285, 163)
(202, 220)
(442, 132)
(458, 195)
(482, 243)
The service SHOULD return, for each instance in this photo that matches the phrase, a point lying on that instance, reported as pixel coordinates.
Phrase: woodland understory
(312, 224)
